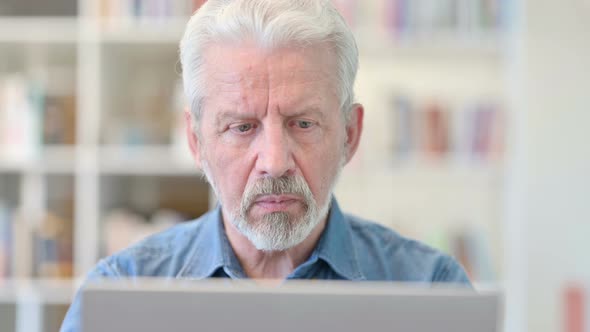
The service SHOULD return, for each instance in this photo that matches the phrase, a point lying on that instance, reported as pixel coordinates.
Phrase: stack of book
(20, 118)
(405, 18)
(43, 251)
(59, 120)
(155, 9)
(31, 116)
(436, 130)
(148, 9)
(53, 247)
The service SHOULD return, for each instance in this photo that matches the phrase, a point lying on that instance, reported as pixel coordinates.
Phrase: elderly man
(272, 121)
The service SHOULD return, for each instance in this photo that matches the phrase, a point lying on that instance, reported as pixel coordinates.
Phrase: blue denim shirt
(350, 248)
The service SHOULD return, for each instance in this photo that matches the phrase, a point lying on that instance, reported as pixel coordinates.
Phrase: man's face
(272, 139)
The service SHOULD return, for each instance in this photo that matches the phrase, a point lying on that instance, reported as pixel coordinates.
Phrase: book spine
(465, 132)
(22, 246)
(575, 309)
(20, 119)
(5, 242)
(404, 127)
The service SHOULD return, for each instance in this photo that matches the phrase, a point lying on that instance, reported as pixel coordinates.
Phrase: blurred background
(475, 142)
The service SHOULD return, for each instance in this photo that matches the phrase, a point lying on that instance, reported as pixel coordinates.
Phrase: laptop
(310, 306)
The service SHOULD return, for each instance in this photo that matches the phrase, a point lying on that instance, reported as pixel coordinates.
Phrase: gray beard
(277, 231)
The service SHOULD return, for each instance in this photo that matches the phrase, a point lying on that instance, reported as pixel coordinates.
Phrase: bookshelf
(434, 90)
(115, 68)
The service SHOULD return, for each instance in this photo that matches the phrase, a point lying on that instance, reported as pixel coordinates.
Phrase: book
(6, 249)
(20, 119)
(435, 130)
(151, 10)
(487, 132)
(33, 114)
(23, 246)
(467, 131)
(404, 131)
(53, 247)
(428, 18)
(59, 120)
(576, 311)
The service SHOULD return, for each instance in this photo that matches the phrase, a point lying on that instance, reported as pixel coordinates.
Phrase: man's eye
(304, 124)
(243, 128)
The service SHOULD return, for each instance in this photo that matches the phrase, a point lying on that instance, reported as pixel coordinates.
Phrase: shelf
(141, 160)
(380, 43)
(114, 160)
(39, 30)
(448, 166)
(51, 160)
(67, 30)
(145, 160)
(43, 291)
(169, 30)
(419, 178)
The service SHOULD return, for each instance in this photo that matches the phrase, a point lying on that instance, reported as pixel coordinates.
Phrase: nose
(275, 155)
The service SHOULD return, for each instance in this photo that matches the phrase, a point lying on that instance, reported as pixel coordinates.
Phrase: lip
(276, 203)
(277, 199)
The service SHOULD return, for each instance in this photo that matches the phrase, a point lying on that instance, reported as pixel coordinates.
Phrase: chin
(278, 231)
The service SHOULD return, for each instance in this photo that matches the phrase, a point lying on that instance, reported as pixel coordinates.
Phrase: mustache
(291, 185)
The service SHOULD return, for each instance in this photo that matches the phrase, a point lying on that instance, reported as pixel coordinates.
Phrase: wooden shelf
(144, 160)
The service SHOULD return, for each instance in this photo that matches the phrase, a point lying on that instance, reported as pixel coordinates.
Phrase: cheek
(231, 171)
(320, 184)
(320, 170)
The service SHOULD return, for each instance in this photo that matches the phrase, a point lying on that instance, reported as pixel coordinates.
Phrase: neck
(276, 265)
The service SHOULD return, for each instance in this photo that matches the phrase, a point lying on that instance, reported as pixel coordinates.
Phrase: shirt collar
(213, 251)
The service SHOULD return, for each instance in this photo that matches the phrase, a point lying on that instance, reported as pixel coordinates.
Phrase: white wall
(556, 169)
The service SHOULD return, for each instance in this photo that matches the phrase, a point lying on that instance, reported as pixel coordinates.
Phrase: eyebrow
(227, 114)
(309, 110)
(224, 115)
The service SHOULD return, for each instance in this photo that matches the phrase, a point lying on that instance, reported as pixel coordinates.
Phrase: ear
(354, 129)
(193, 141)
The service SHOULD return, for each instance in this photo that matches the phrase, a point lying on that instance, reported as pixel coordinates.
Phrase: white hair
(271, 24)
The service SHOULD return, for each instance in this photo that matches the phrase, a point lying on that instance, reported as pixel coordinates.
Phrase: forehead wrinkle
(238, 81)
(238, 88)
(268, 82)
